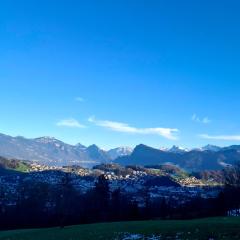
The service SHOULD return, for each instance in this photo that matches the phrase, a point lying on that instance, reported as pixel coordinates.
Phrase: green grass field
(212, 228)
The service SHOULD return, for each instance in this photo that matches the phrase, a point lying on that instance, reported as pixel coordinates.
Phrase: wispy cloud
(71, 122)
(79, 99)
(221, 137)
(204, 120)
(169, 133)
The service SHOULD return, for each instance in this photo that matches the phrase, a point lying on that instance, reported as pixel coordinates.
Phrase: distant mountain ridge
(53, 152)
(192, 160)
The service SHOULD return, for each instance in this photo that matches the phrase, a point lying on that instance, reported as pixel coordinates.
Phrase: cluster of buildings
(131, 182)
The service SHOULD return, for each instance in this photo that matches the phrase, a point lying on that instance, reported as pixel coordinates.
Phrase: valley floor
(212, 228)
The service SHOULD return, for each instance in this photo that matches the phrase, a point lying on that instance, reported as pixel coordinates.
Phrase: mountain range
(207, 158)
(53, 152)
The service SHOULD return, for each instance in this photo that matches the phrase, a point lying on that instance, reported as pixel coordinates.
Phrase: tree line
(45, 205)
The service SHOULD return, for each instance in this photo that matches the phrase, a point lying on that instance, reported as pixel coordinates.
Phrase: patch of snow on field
(131, 236)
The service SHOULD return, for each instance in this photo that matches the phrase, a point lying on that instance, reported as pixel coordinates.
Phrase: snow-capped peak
(164, 149)
(46, 139)
(211, 148)
(119, 152)
(177, 149)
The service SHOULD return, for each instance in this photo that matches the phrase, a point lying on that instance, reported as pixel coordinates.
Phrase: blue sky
(121, 72)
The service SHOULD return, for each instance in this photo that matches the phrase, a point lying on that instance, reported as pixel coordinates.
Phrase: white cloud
(204, 120)
(221, 137)
(71, 122)
(79, 99)
(169, 133)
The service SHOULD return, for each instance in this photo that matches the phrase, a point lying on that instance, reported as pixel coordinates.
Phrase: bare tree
(232, 175)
